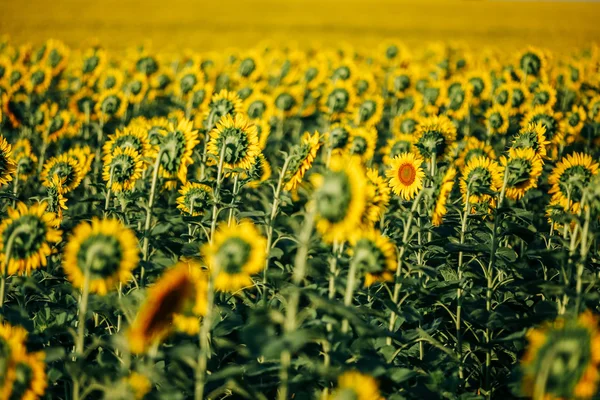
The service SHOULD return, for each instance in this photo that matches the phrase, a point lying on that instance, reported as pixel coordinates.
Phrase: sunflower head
(236, 140)
(549, 119)
(223, 104)
(374, 255)
(356, 386)
(122, 169)
(497, 120)
(482, 179)
(111, 104)
(523, 168)
(368, 110)
(338, 136)
(406, 175)
(570, 176)
(302, 158)
(7, 163)
(434, 136)
(338, 99)
(195, 198)
(533, 136)
(378, 197)
(176, 146)
(30, 380)
(531, 62)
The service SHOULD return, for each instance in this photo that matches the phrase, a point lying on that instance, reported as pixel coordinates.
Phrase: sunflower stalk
(233, 196)
(4, 275)
(459, 298)
(204, 338)
(146, 244)
(583, 253)
(348, 295)
(217, 195)
(109, 191)
(397, 284)
(209, 127)
(83, 305)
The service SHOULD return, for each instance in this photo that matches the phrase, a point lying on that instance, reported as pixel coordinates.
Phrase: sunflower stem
(397, 284)
(4, 276)
(16, 188)
(348, 295)
(146, 245)
(463, 230)
(203, 354)
(233, 196)
(108, 191)
(217, 196)
(209, 127)
(83, 305)
(584, 249)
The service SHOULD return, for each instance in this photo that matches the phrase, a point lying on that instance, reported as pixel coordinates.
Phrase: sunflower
(263, 131)
(24, 158)
(398, 144)
(341, 198)
(188, 80)
(531, 62)
(564, 356)
(338, 137)
(104, 249)
(222, 104)
(356, 385)
(236, 253)
(195, 198)
(176, 148)
(30, 377)
(83, 156)
(543, 95)
(570, 176)
(56, 56)
(12, 348)
(368, 110)
(134, 136)
(82, 105)
(67, 168)
(122, 169)
(138, 384)
(433, 97)
(259, 173)
(187, 320)
(8, 166)
(137, 88)
(458, 98)
(338, 100)
(533, 136)
(302, 158)
(445, 191)
(362, 143)
(435, 135)
(59, 126)
(235, 138)
(378, 197)
(110, 79)
(166, 299)
(518, 97)
(287, 100)
(249, 67)
(111, 104)
(401, 80)
(405, 175)
(594, 109)
(497, 120)
(573, 123)
(26, 237)
(92, 63)
(480, 85)
(481, 178)
(375, 256)
(549, 119)
(38, 79)
(259, 106)
(474, 148)
(524, 169)
(56, 199)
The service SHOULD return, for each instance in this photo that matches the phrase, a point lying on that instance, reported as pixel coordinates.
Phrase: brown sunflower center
(407, 174)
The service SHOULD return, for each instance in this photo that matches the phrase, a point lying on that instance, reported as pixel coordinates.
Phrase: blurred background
(205, 25)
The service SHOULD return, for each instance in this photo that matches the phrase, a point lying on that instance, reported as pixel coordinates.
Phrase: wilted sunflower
(222, 104)
(440, 210)
(122, 169)
(362, 143)
(562, 359)
(236, 253)
(497, 120)
(368, 110)
(175, 151)
(378, 197)
(167, 298)
(338, 100)
(12, 348)
(435, 135)
(67, 168)
(374, 255)
(235, 138)
(356, 385)
(481, 178)
(30, 379)
(524, 169)
(133, 136)
(474, 148)
(533, 136)
(341, 198)
(106, 250)
(549, 119)
(26, 237)
(302, 158)
(195, 198)
(406, 175)
(111, 104)
(7, 164)
(570, 176)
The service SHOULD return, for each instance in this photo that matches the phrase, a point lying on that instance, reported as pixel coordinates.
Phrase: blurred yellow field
(210, 25)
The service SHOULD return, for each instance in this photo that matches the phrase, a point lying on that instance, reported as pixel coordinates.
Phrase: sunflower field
(287, 222)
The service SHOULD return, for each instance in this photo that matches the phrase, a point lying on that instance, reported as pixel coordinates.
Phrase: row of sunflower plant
(299, 222)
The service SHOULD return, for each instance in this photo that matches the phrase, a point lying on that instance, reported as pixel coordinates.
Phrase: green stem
(234, 195)
(146, 244)
(109, 191)
(3, 277)
(584, 249)
(81, 326)
(463, 230)
(217, 195)
(203, 354)
(351, 283)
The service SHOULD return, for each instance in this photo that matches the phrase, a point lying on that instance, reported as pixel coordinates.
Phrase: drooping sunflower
(111, 104)
(375, 256)
(168, 297)
(12, 348)
(405, 175)
(8, 166)
(549, 119)
(338, 100)
(236, 253)
(524, 169)
(356, 385)
(26, 236)
(532, 136)
(474, 148)
(481, 178)
(134, 136)
(435, 135)
(106, 250)
(378, 197)
(446, 186)
(122, 169)
(396, 145)
(497, 120)
(176, 147)
(302, 158)
(368, 110)
(562, 359)
(195, 198)
(30, 377)
(570, 176)
(237, 140)
(222, 104)
(341, 198)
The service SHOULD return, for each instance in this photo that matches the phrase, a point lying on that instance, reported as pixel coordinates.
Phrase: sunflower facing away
(497, 120)
(176, 147)
(375, 256)
(358, 386)
(222, 104)
(187, 320)
(122, 169)
(12, 349)
(362, 143)
(570, 176)
(378, 197)
(235, 138)
(562, 359)
(133, 136)
(237, 252)
(533, 136)
(440, 208)
(524, 169)
(195, 198)
(28, 234)
(435, 135)
(303, 156)
(474, 148)
(405, 175)
(65, 167)
(104, 249)
(30, 379)
(7, 164)
(481, 178)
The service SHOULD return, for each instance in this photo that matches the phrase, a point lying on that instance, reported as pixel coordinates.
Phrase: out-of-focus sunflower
(406, 124)
(356, 385)
(396, 145)
(187, 320)
(259, 172)
(249, 67)
(138, 384)
(435, 135)
(30, 377)
(59, 126)
(12, 348)
(302, 158)
(235, 138)
(175, 150)
(122, 169)
(92, 63)
(82, 105)
(106, 250)
(573, 123)
(401, 80)
(549, 119)
(7, 163)
(56, 199)
(594, 109)
(26, 237)
(524, 170)
(56, 56)
(341, 198)
(166, 299)
(481, 178)
(111, 104)
(364, 83)
(195, 198)
(362, 143)
(405, 175)
(458, 99)
(263, 131)
(338, 100)
(133, 136)
(532, 136)
(222, 104)
(338, 137)
(368, 110)
(446, 186)
(38, 79)
(137, 88)
(497, 120)
(287, 100)
(433, 97)
(259, 106)
(236, 253)
(543, 95)
(480, 85)
(474, 148)
(188, 79)
(570, 176)
(110, 79)
(24, 158)
(374, 255)
(83, 156)
(67, 168)
(531, 62)
(562, 359)
(378, 197)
